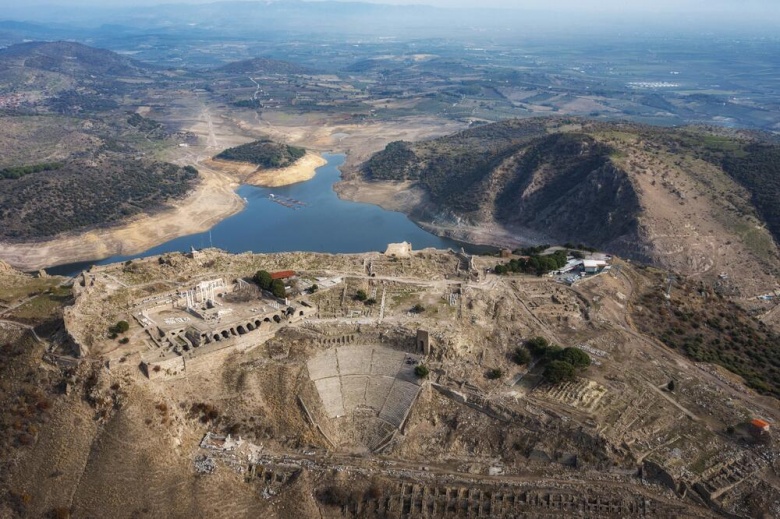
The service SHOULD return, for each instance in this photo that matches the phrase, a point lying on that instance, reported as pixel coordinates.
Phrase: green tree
(553, 352)
(538, 345)
(120, 327)
(576, 357)
(277, 288)
(558, 371)
(418, 308)
(313, 288)
(361, 295)
(521, 355)
(263, 279)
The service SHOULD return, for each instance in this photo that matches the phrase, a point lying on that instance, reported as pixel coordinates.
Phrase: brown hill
(694, 200)
(70, 58)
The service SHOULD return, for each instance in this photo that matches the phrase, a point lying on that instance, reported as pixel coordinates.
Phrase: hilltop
(264, 153)
(70, 58)
(328, 415)
(263, 66)
(696, 200)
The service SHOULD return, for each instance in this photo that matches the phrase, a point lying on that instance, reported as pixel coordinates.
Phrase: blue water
(324, 224)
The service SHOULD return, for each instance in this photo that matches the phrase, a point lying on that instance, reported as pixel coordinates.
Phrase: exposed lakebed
(307, 216)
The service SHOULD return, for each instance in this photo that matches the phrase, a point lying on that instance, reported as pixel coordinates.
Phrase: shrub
(494, 374)
(421, 371)
(119, 327)
(370, 301)
(418, 308)
(313, 288)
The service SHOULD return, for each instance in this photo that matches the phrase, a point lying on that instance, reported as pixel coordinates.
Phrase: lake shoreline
(213, 200)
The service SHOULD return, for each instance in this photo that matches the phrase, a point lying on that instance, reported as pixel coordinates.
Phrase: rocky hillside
(699, 201)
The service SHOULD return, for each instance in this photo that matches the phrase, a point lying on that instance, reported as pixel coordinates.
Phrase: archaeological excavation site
(387, 385)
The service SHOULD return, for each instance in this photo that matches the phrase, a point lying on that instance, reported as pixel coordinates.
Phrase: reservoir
(307, 216)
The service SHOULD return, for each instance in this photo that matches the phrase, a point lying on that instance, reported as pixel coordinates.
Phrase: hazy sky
(771, 6)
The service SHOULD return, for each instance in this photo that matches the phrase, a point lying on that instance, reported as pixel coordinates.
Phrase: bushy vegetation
(103, 189)
(558, 371)
(758, 169)
(494, 374)
(421, 371)
(119, 327)
(266, 282)
(560, 364)
(395, 162)
(71, 102)
(277, 288)
(263, 279)
(451, 168)
(536, 264)
(247, 103)
(490, 168)
(264, 153)
(146, 126)
(521, 356)
(20, 171)
(711, 329)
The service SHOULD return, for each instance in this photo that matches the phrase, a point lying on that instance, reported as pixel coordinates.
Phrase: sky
(704, 6)
(708, 14)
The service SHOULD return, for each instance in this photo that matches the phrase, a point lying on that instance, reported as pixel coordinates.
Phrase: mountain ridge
(695, 200)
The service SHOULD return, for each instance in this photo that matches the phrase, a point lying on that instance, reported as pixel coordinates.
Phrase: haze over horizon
(765, 8)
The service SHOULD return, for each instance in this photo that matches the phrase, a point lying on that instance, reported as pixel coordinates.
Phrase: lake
(307, 216)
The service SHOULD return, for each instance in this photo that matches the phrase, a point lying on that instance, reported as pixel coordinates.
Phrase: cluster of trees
(758, 169)
(147, 126)
(264, 153)
(535, 264)
(452, 168)
(98, 190)
(71, 102)
(118, 328)
(266, 282)
(560, 364)
(362, 296)
(395, 162)
(20, 171)
(714, 330)
(247, 103)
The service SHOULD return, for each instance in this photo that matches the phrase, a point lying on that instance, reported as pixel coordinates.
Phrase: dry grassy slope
(128, 464)
(694, 218)
(27, 140)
